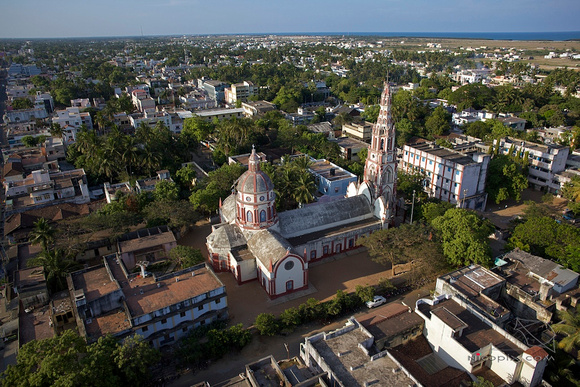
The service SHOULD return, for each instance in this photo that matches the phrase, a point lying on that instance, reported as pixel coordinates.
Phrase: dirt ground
(500, 215)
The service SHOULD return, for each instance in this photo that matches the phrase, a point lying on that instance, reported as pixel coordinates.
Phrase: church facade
(254, 242)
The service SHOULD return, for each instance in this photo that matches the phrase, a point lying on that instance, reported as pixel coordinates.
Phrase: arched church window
(389, 175)
(262, 216)
(249, 216)
(382, 143)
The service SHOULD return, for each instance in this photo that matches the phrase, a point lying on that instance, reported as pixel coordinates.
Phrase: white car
(377, 301)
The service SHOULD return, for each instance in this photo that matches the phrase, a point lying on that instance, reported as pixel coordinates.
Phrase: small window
(417, 157)
(335, 189)
(457, 173)
(313, 254)
(448, 169)
(422, 158)
(200, 307)
(182, 314)
(289, 265)
(430, 162)
(164, 321)
(144, 329)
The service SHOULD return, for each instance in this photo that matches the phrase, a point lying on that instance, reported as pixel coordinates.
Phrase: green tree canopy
(67, 360)
(464, 237)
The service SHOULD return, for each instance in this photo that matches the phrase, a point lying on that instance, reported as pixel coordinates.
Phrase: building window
(289, 285)
(249, 216)
(430, 162)
(313, 254)
(289, 265)
(422, 158)
(182, 314)
(200, 307)
(335, 189)
(144, 329)
(164, 321)
(448, 169)
(262, 216)
(350, 243)
(325, 250)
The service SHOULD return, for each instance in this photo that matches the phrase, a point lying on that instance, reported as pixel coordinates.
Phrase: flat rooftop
(330, 171)
(425, 366)
(109, 323)
(95, 282)
(353, 367)
(145, 295)
(444, 153)
(142, 242)
(390, 320)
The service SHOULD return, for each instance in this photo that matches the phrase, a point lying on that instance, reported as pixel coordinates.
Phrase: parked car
(377, 301)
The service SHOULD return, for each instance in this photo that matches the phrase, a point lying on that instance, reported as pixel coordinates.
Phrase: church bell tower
(381, 166)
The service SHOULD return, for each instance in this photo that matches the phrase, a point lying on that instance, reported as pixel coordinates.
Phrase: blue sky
(67, 18)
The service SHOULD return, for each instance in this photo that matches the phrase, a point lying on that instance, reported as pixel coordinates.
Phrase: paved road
(228, 368)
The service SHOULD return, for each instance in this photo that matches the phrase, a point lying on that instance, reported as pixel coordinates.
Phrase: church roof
(227, 236)
(324, 215)
(229, 208)
(268, 246)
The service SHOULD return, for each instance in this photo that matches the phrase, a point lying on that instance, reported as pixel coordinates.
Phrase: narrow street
(229, 367)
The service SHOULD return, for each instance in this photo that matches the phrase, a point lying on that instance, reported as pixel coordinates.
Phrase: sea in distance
(557, 35)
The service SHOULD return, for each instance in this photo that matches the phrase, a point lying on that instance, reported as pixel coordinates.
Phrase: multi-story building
(465, 339)
(545, 161)
(142, 100)
(151, 118)
(197, 99)
(42, 188)
(361, 131)
(239, 92)
(347, 358)
(255, 108)
(215, 89)
(450, 176)
(220, 114)
(109, 299)
(72, 117)
(331, 179)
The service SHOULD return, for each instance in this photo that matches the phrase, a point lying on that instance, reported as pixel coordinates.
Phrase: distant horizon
(507, 35)
(28, 19)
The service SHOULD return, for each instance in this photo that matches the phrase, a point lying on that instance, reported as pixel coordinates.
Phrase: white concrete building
(239, 92)
(467, 340)
(545, 161)
(450, 176)
(109, 299)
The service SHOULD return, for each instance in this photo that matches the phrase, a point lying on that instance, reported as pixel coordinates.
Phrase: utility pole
(412, 207)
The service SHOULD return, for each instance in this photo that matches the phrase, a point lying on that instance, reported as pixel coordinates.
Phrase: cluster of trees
(312, 310)
(56, 262)
(408, 243)
(507, 174)
(217, 185)
(118, 157)
(186, 256)
(212, 342)
(67, 360)
(293, 183)
(541, 235)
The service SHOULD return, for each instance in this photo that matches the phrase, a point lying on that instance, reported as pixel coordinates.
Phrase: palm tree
(56, 266)
(570, 328)
(42, 233)
(130, 153)
(304, 188)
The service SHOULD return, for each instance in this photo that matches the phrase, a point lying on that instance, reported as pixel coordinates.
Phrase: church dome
(255, 198)
(254, 182)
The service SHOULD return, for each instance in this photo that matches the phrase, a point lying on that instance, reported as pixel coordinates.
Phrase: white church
(254, 242)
